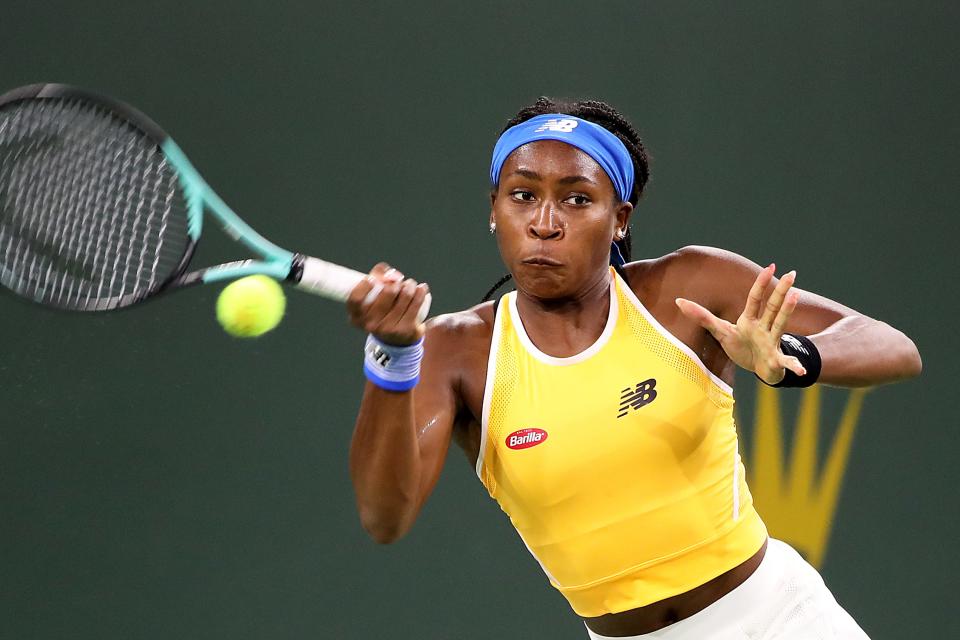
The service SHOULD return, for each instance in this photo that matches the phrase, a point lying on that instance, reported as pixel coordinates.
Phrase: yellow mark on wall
(797, 506)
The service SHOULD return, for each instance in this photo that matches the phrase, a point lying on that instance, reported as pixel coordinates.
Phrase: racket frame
(310, 274)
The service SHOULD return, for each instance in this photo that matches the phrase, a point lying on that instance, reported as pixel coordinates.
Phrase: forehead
(553, 158)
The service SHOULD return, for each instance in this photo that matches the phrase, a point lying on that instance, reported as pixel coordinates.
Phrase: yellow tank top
(618, 466)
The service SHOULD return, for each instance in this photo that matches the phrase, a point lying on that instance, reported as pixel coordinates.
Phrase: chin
(542, 283)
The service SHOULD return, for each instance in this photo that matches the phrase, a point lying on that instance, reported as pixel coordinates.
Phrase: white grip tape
(329, 280)
(335, 282)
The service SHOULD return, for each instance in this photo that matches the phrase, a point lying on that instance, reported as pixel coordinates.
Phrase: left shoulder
(694, 258)
(707, 275)
(703, 257)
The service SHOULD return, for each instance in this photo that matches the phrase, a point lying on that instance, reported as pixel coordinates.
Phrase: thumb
(701, 315)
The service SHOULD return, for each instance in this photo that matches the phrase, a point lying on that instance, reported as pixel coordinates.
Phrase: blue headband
(598, 143)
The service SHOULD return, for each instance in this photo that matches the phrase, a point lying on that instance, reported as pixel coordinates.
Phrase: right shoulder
(456, 350)
(457, 331)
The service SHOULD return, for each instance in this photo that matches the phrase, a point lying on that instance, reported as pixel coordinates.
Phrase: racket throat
(296, 268)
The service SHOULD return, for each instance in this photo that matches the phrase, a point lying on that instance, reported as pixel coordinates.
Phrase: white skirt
(784, 599)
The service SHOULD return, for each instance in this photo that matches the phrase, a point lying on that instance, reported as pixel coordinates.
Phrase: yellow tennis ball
(251, 306)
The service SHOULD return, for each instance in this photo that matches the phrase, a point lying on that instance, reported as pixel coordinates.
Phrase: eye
(524, 196)
(578, 199)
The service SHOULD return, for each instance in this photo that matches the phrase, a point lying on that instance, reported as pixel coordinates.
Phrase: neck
(563, 327)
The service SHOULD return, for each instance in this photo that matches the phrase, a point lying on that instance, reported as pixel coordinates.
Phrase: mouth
(541, 261)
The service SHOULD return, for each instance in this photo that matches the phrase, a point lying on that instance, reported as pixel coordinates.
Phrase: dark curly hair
(613, 121)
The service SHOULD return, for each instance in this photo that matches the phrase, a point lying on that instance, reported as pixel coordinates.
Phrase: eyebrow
(533, 175)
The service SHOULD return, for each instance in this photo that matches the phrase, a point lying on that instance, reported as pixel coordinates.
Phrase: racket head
(93, 215)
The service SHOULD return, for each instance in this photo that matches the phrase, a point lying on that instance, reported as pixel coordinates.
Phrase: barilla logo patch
(556, 124)
(526, 438)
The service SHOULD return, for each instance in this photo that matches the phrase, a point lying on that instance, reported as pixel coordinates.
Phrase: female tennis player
(596, 398)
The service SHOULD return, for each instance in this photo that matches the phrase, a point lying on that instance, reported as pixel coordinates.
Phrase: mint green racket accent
(199, 193)
(276, 270)
(193, 187)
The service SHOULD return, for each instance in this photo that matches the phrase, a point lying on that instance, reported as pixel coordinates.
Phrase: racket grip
(335, 282)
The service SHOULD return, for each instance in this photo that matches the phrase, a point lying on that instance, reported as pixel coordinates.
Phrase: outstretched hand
(753, 343)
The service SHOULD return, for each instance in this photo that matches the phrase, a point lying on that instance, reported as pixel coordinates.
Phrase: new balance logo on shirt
(640, 395)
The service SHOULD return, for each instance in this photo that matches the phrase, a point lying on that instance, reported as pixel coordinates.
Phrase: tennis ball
(251, 306)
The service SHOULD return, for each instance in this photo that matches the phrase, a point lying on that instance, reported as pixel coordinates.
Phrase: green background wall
(160, 480)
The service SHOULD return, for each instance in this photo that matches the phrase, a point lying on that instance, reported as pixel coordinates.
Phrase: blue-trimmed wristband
(392, 367)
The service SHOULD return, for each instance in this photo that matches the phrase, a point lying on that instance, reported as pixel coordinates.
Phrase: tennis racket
(100, 209)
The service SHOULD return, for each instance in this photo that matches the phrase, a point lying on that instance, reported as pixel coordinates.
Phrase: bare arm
(857, 351)
(747, 309)
(400, 439)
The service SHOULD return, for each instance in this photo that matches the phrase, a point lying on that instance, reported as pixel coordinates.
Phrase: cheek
(599, 228)
(509, 224)
(596, 240)
(509, 242)
(505, 235)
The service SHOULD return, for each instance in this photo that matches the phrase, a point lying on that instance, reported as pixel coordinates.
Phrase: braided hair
(613, 121)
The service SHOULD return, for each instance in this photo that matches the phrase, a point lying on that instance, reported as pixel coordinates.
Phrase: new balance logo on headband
(556, 124)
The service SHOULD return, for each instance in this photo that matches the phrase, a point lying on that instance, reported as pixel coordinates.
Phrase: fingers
(703, 317)
(775, 301)
(379, 279)
(783, 314)
(386, 305)
(363, 293)
(792, 363)
(397, 308)
(411, 316)
(772, 366)
(402, 323)
(368, 289)
(755, 297)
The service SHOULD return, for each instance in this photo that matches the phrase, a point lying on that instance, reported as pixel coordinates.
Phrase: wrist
(803, 349)
(392, 367)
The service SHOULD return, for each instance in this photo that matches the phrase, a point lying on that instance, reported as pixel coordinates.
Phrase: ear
(623, 215)
(493, 202)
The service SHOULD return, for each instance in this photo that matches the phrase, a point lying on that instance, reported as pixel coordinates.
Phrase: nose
(545, 225)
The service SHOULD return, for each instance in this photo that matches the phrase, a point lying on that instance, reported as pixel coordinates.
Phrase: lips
(542, 261)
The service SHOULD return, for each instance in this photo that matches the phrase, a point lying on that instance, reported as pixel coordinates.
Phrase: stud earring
(621, 234)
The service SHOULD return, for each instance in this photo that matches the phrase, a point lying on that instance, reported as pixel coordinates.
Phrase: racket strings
(91, 213)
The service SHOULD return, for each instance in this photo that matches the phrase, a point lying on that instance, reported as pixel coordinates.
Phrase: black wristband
(803, 349)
